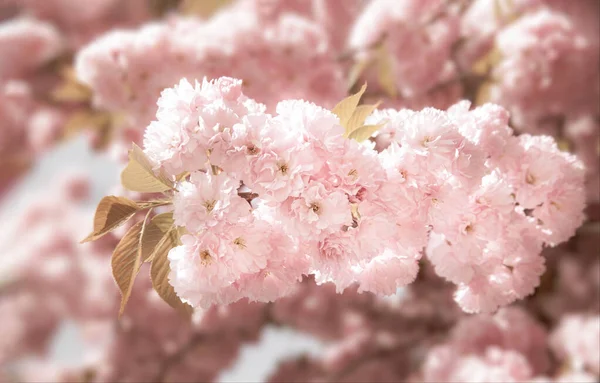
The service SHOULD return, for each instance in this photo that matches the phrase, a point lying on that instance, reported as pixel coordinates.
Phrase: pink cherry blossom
(318, 211)
(208, 200)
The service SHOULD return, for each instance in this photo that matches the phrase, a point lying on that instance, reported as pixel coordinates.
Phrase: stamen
(315, 207)
(205, 257)
(210, 205)
(240, 242)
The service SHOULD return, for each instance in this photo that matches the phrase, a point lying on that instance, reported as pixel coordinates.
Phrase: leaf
(154, 233)
(156, 203)
(483, 93)
(86, 119)
(563, 144)
(138, 175)
(365, 132)
(71, 92)
(111, 213)
(202, 8)
(160, 7)
(358, 117)
(160, 269)
(356, 71)
(126, 262)
(181, 231)
(70, 89)
(345, 108)
(484, 65)
(182, 176)
(498, 11)
(505, 12)
(164, 221)
(385, 71)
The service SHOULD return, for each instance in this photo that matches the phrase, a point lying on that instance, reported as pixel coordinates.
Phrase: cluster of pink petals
(335, 17)
(29, 44)
(26, 124)
(482, 201)
(575, 342)
(170, 347)
(78, 23)
(127, 69)
(37, 36)
(50, 281)
(418, 36)
(512, 347)
(544, 62)
(548, 67)
(546, 74)
(68, 281)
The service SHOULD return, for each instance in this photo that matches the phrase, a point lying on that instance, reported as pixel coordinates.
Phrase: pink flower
(189, 117)
(562, 213)
(286, 265)
(318, 211)
(485, 126)
(210, 263)
(208, 200)
(354, 167)
(495, 366)
(575, 341)
(451, 262)
(281, 170)
(456, 183)
(235, 148)
(26, 44)
(418, 36)
(203, 263)
(317, 125)
(333, 258)
(404, 165)
(549, 58)
(384, 274)
(430, 133)
(488, 289)
(537, 174)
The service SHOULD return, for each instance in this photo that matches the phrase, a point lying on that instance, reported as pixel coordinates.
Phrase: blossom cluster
(70, 285)
(128, 69)
(367, 337)
(418, 337)
(536, 58)
(280, 206)
(512, 347)
(36, 38)
(458, 182)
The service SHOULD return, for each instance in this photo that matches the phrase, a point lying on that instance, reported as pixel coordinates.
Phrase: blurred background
(79, 82)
